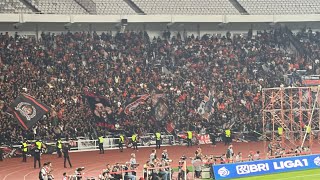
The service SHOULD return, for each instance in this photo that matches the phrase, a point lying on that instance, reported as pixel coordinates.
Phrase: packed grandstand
(123, 81)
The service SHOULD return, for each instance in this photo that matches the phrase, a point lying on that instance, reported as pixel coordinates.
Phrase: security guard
(24, 149)
(121, 142)
(134, 139)
(59, 148)
(189, 138)
(228, 137)
(101, 149)
(37, 153)
(158, 140)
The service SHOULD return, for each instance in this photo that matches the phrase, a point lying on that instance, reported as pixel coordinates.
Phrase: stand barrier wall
(112, 143)
(262, 167)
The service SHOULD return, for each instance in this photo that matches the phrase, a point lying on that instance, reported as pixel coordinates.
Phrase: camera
(183, 157)
(80, 169)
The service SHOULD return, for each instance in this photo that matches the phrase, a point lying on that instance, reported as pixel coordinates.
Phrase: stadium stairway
(296, 43)
(134, 7)
(238, 6)
(87, 5)
(30, 6)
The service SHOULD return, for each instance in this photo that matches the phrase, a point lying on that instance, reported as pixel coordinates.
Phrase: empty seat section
(113, 7)
(13, 6)
(187, 7)
(58, 6)
(281, 7)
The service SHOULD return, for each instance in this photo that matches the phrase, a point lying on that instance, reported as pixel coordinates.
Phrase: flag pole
(309, 123)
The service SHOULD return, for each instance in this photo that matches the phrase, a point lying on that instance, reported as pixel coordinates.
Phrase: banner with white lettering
(256, 168)
(86, 144)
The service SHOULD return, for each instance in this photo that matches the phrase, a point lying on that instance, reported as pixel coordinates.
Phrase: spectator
(227, 72)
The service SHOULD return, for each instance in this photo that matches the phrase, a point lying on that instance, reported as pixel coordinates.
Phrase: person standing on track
(24, 149)
(228, 139)
(101, 149)
(135, 141)
(1, 154)
(121, 142)
(37, 153)
(59, 148)
(66, 156)
(158, 140)
(189, 138)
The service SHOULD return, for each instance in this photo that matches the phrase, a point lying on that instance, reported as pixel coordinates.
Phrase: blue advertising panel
(261, 167)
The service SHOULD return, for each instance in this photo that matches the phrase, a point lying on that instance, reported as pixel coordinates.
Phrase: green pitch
(313, 174)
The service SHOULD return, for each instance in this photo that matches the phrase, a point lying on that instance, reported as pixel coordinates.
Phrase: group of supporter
(58, 68)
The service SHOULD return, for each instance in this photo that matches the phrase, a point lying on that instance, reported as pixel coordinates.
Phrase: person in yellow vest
(24, 149)
(228, 137)
(101, 149)
(158, 140)
(134, 139)
(121, 142)
(37, 153)
(189, 138)
(280, 131)
(59, 148)
(308, 130)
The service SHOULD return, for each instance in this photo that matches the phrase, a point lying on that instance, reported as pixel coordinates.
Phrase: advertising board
(262, 167)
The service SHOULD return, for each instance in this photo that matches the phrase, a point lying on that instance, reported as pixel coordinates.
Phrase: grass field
(313, 174)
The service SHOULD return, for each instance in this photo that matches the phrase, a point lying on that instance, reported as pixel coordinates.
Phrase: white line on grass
(299, 176)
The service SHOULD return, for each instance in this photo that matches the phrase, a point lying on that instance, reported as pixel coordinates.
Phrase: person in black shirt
(1, 154)
(65, 151)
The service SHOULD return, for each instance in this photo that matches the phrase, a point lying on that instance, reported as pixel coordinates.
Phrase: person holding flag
(101, 149)
(158, 140)
(24, 148)
(121, 142)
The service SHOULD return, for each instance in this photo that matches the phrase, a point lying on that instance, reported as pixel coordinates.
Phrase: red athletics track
(14, 169)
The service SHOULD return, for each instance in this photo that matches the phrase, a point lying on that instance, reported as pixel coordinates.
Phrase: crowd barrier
(81, 144)
(262, 167)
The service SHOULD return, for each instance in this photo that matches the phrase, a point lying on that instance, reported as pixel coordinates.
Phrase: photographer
(182, 168)
(165, 156)
(116, 171)
(78, 173)
(106, 173)
(129, 175)
(45, 172)
(163, 173)
(197, 165)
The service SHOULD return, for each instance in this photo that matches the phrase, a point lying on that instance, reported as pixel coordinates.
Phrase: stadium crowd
(58, 68)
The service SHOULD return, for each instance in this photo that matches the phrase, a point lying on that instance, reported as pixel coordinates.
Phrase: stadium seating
(113, 7)
(13, 6)
(174, 7)
(190, 7)
(263, 7)
(58, 6)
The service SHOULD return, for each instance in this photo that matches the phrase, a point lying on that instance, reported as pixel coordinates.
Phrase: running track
(14, 169)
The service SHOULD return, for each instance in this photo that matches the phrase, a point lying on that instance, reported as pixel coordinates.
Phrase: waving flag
(28, 110)
(161, 110)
